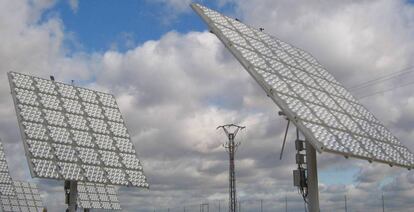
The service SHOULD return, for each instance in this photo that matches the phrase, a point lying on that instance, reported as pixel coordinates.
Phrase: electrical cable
(385, 90)
(382, 78)
(303, 190)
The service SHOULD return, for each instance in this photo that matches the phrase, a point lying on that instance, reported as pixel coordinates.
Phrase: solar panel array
(6, 183)
(99, 196)
(73, 133)
(326, 113)
(27, 198)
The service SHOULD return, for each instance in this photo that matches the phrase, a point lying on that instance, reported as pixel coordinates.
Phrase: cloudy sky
(175, 83)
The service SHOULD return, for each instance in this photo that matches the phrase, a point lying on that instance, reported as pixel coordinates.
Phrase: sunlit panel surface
(327, 114)
(73, 133)
(27, 198)
(6, 183)
(99, 196)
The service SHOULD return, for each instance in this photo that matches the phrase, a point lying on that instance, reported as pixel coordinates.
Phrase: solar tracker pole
(312, 178)
(72, 191)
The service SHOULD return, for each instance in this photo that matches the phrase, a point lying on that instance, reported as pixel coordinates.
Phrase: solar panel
(73, 133)
(27, 198)
(6, 183)
(98, 196)
(326, 113)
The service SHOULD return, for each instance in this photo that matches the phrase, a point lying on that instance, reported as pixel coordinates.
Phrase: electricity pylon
(231, 131)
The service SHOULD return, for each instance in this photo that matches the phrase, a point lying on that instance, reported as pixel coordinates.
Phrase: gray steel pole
(219, 206)
(73, 195)
(261, 205)
(285, 203)
(346, 206)
(383, 203)
(312, 180)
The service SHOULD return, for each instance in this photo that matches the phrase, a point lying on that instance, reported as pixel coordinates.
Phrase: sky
(175, 83)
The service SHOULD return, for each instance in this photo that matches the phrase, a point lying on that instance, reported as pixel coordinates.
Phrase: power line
(383, 78)
(385, 90)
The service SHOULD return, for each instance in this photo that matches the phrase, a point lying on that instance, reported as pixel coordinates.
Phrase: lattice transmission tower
(231, 131)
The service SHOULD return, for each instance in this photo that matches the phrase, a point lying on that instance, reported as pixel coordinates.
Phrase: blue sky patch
(335, 176)
(121, 25)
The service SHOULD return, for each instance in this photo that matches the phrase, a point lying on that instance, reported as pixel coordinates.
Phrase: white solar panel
(326, 113)
(73, 133)
(99, 196)
(6, 183)
(26, 199)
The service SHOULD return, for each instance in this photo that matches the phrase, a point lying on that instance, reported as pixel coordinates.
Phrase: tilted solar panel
(27, 198)
(73, 133)
(6, 182)
(98, 196)
(326, 113)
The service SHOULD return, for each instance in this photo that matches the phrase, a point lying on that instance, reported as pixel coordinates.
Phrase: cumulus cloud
(174, 91)
(74, 5)
(178, 5)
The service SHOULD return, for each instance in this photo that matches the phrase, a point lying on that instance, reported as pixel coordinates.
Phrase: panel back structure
(98, 196)
(330, 118)
(27, 198)
(73, 133)
(6, 182)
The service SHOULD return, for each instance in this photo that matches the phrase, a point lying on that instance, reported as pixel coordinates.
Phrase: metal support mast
(219, 205)
(305, 177)
(231, 131)
(71, 192)
(286, 204)
(346, 204)
(312, 178)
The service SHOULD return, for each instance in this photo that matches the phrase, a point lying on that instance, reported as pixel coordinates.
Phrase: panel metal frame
(102, 165)
(21, 129)
(319, 146)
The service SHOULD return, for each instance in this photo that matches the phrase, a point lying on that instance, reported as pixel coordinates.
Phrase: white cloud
(178, 5)
(74, 5)
(173, 92)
